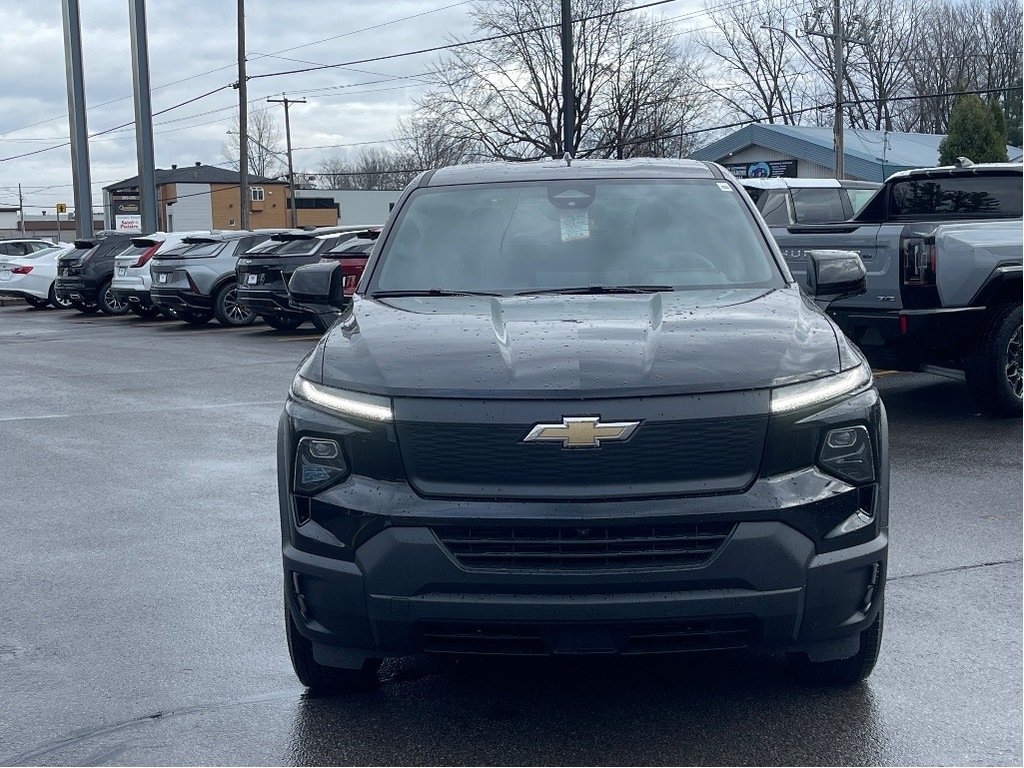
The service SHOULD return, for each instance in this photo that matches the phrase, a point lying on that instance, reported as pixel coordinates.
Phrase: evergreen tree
(973, 133)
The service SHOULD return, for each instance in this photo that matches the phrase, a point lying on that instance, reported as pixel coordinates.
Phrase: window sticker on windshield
(575, 225)
(724, 187)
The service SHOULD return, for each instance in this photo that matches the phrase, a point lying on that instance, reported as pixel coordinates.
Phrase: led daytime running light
(795, 397)
(342, 402)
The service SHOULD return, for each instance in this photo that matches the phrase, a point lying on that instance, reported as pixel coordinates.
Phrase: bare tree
(425, 142)
(756, 71)
(646, 106)
(266, 149)
(503, 98)
(372, 168)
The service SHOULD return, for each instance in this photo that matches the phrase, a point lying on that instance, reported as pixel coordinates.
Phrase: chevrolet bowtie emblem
(582, 432)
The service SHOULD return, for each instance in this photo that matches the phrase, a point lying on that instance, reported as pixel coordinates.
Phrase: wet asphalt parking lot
(142, 621)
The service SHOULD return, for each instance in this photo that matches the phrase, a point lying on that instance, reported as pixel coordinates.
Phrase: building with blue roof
(805, 151)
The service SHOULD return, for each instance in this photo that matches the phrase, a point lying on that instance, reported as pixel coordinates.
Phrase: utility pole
(814, 27)
(243, 124)
(288, 142)
(76, 115)
(21, 211)
(568, 96)
(837, 51)
(143, 116)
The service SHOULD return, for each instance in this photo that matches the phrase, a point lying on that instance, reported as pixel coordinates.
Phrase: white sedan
(32, 275)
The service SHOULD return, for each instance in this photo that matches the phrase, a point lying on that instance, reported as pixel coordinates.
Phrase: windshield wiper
(428, 292)
(601, 289)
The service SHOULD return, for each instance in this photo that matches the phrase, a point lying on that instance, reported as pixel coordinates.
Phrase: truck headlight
(794, 397)
(342, 402)
(319, 463)
(846, 453)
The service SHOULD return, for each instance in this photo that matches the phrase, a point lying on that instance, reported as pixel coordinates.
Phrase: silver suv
(196, 279)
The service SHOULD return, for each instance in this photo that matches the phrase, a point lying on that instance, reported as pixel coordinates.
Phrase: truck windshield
(546, 236)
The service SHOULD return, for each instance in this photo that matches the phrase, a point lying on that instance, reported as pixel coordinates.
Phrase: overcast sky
(196, 39)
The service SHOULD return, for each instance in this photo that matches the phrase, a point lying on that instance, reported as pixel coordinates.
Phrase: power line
(256, 57)
(462, 43)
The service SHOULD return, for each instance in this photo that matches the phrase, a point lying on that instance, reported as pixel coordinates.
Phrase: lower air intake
(585, 547)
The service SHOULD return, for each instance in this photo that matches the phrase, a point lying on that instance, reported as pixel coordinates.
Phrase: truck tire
(994, 373)
(843, 671)
(322, 679)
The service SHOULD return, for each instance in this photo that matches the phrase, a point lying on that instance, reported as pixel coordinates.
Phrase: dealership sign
(763, 169)
(131, 224)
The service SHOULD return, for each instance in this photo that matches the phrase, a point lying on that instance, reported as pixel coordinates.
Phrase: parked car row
(235, 277)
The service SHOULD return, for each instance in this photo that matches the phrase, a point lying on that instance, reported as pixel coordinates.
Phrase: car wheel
(37, 303)
(843, 671)
(994, 375)
(58, 302)
(327, 680)
(283, 322)
(108, 303)
(145, 311)
(194, 316)
(228, 311)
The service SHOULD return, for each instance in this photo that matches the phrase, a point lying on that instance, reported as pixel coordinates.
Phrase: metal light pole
(837, 50)
(143, 116)
(568, 96)
(243, 125)
(76, 114)
(288, 142)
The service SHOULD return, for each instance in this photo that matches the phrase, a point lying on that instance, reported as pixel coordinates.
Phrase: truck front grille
(584, 547)
(662, 459)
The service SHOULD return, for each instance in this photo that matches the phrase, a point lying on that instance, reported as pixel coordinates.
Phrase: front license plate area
(251, 279)
(162, 278)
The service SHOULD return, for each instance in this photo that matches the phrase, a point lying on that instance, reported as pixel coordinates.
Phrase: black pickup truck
(942, 248)
(581, 409)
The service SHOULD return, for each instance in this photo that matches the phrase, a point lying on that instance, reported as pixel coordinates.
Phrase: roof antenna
(568, 160)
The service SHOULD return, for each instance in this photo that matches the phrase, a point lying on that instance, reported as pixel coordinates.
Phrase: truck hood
(571, 346)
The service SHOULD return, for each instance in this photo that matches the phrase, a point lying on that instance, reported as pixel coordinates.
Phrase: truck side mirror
(835, 274)
(318, 287)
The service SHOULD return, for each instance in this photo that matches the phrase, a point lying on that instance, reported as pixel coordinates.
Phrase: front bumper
(780, 580)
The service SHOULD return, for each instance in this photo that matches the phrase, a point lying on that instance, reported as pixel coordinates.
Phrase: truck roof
(791, 183)
(943, 170)
(557, 170)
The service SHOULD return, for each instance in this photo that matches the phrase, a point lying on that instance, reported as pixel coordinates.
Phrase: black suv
(583, 409)
(84, 275)
(263, 271)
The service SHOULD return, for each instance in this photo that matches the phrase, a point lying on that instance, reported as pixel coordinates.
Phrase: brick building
(199, 197)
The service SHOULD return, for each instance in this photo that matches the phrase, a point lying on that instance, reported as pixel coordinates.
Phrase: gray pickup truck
(942, 248)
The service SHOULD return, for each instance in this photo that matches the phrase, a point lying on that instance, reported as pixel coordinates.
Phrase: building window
(256, 194)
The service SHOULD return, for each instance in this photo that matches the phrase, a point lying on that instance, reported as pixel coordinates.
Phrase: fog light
(847, 455)
(319, 463)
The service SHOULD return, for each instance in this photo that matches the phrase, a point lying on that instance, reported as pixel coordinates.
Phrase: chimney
(174, 167)
(198, 164)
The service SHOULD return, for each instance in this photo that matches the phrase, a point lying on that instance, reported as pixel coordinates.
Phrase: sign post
(61, 208)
